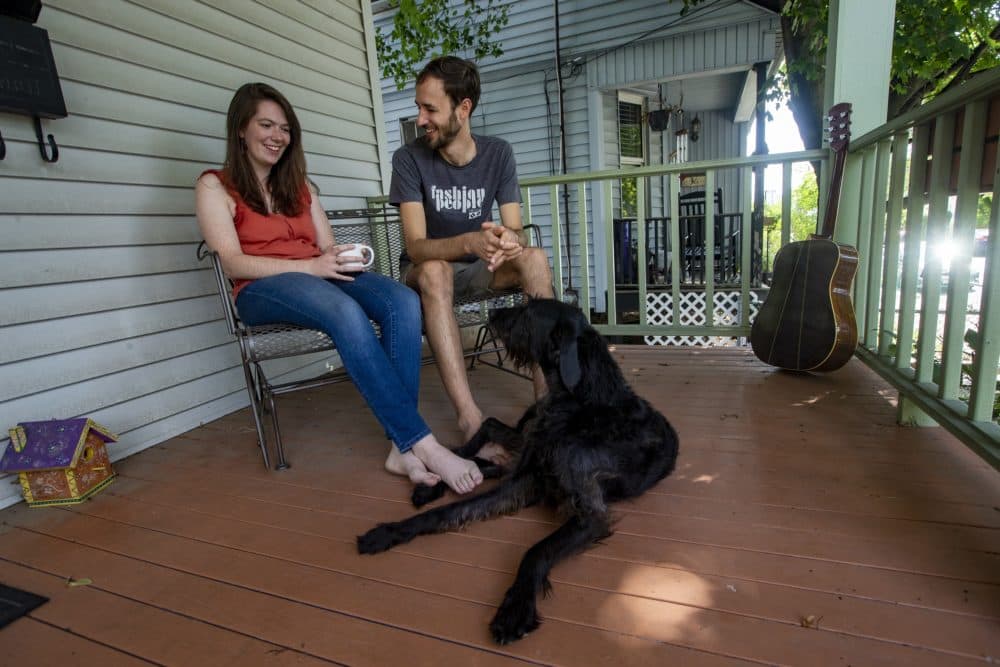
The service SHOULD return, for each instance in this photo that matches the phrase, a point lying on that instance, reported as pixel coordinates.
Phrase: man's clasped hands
(496, 244)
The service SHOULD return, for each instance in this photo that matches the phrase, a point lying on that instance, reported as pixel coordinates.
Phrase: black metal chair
(691, 216)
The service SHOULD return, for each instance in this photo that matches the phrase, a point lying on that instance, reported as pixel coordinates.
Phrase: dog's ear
(569, 355)
(569, 363)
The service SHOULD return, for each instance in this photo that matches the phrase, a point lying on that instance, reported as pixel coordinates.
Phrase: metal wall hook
(41, 142)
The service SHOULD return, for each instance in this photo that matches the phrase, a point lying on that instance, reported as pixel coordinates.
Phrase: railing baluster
(745, 234)
(581, 198)
(937, 228)
(893, 221)
(642, 254)
(963, 238)
(709, 255)
(911, 248)
(866, 180)
(609, 244)
(676, 256)
(556, 240)
(987, 348)
(875, 213)
(786, 203)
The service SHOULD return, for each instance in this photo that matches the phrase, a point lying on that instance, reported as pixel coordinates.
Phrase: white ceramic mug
(366, 254)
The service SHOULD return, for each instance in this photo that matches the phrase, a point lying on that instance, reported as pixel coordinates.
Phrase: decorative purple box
(59, 461)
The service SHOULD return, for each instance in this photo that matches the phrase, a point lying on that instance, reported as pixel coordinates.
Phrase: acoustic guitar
(807, 320)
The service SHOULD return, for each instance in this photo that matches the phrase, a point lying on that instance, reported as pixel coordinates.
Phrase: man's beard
(446, 134)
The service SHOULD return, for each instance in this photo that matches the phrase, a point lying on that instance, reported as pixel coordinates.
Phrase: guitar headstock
(838, 125)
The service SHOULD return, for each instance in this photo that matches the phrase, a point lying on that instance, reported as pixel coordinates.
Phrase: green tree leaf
(427, 29)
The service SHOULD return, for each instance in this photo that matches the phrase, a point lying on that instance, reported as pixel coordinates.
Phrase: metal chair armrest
(225, 288)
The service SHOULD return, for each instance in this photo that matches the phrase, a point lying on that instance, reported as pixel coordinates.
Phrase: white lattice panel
(659, 310)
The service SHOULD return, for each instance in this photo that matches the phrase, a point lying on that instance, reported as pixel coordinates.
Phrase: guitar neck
(839, 118)
(833, 201)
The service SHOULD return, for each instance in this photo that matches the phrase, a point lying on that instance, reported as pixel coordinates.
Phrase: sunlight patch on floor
(810, 401)
(642, 608)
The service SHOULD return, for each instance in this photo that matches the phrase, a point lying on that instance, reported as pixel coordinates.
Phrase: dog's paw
(375, 541)
(516, 617)
(425, 493)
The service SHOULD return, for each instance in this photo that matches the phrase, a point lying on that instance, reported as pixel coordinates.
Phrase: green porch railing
(601, 185)
(930, 326)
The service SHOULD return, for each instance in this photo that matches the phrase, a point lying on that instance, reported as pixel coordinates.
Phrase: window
(408, 130)
(631, 148)
(631, 144)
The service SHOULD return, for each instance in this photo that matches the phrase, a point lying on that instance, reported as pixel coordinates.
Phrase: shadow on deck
(802, 527)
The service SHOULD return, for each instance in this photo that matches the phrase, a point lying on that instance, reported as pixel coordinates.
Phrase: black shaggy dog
(590, 441)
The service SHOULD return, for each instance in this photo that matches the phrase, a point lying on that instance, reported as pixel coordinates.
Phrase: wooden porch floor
(802, 527)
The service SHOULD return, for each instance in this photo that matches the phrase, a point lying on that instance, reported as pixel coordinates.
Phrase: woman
(264, 218)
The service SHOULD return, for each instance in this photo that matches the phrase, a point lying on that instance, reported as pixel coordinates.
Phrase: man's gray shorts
(471, 279)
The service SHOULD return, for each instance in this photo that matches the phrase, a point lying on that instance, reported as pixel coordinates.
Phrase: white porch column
(858, 64)
(859, 58)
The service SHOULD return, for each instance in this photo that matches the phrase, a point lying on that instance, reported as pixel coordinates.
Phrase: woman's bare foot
(491, 451)
(462, 475)
(410, 466)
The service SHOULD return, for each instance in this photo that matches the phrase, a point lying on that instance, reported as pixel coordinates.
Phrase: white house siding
(104, 310)
(621, 45)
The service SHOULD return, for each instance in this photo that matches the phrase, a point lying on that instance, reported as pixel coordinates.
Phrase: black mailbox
(29, 83)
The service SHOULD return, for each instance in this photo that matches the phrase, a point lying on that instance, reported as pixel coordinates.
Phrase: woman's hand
(332, 262)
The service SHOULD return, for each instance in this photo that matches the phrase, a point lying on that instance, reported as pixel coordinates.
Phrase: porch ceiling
(712, 92)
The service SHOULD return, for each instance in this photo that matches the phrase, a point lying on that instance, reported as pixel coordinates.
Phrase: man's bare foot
(462, 475)
(491, 451)
(410, 466)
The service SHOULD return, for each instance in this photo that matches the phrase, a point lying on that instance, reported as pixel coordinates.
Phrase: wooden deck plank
(123, 622)
(795, 496)
(28, 642)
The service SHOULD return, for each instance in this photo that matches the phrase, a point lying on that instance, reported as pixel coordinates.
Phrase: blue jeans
(386, 371)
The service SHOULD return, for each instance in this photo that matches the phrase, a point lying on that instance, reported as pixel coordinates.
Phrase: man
(445, 184)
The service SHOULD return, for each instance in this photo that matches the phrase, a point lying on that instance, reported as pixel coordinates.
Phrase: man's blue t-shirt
(456, 199)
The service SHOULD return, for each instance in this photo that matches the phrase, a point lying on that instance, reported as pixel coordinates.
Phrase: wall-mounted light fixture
(695, 128)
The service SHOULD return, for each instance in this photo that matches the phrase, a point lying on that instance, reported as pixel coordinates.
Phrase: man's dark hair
(460, 78)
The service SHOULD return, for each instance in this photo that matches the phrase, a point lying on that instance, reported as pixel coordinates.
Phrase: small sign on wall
(693, 180)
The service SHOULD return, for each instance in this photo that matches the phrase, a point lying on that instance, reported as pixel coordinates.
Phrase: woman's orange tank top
(273, 235)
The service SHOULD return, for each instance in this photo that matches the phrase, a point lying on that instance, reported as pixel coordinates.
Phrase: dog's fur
(590, 441)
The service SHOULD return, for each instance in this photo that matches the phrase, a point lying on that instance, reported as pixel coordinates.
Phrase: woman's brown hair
(288, 176)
